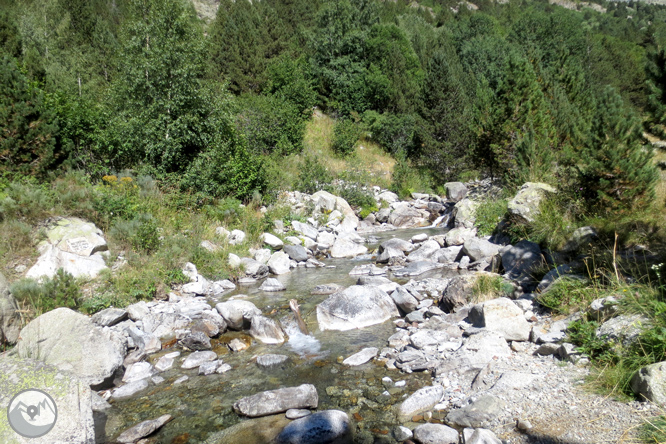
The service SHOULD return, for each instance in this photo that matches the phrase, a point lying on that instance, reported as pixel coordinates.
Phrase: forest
(518, 91)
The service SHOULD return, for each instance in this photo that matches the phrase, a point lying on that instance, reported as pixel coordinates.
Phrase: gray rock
(623, 329)
(277, 401)
(138, 371)
(143, 429)
(552, 276)
(447, 255)
(649, 383)
(404, 300)
(197, 358)
(524, 207)
(547, 349)
(424, 338)
(477, 414)
(458, 236)
(402, 433)
(388, 197)
(398, 244)
(367, 269)
(521, 259)
(72, 398)
(237, 345)
(297, 413)
(346, 248)
(420, 401)
(271, 285)
(458, 293)
(425, 251)
(406, 216)
(581, 237)
(416, 268)
(306, 230)
(236, 237)
(455, 191)
(326, 427)
(10, 319)
(269, 360)
(480, 436)
(365, 355)
(266, 330)
(477, 351)
(74, 245)
(325, 239)
(383, 215)
(196, 340)
(164, 363)
(504, 317)
(146, 342)
(65, 339)
(262, 255)
(602, 309)
(237, 314)
(418, 238)
(465, 214)
(478, 249)
(272, 241)
(327, 289)
(254, 268)
(296, 252)
(279, 263)
(109, 317)
(435, 434)
(130, 389)
(208, 368)
(388, 254)
(355, 307)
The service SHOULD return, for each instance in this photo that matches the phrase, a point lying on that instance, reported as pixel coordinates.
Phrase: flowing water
(202, 405)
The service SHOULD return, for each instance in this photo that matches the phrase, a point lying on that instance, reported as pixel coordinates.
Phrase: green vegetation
(488, 214)
(60, 291)
(488, 287)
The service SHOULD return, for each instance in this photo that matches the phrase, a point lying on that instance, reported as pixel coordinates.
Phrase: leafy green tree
(615, 168)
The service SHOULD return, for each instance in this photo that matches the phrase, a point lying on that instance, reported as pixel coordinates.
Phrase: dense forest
(521, 90)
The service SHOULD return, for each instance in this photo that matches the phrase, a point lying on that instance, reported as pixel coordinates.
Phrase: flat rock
(355, 307)
(477, 414)
(272, 285)
(278, 401)
(504, 317)
(420, 401)
(326, 427)
(435, 434)
(365, 355)
(458, 236)
(65, 339)
(266, 330)
(327, 289)
(269, 360)
(416, 268)
(143, 429)
(198, 358)
(130, 389)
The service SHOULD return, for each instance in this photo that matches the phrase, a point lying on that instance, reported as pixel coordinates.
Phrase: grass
(490, 286)
(489, 213)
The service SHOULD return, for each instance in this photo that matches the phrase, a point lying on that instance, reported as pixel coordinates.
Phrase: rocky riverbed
(397, 347)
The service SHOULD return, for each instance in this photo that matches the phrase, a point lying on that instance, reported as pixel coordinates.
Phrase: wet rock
(326, 427)
(237, 314)
(478, 249)
(208, 368)
(65, 339)
(272, 285)
(143, 429)
(109, 317)
(477, 414)
(297, 413)
(272, 241)
(401, 433)
(388, 254)
(327, 289)
(420, 401)
(198, 358)
(398, 244)
(649, 383)
(164, 363)
(365, 355)
(251, 431)
(266, 330)
(416, 268)
(355, 307)
(278, 401)
(367, 269)
(502, 316)
(196, 340)
(297, 252)
(269, 360)
(435, 434)
(524, 207)
(130, 389)
(455, 191)
(181, 380)
(236, 345)
(138, 371)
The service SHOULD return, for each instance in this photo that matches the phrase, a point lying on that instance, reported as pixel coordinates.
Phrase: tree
(656, 84)
(615, 168)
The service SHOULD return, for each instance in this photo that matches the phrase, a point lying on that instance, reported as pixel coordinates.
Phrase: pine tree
(616, 170)
(656, 84)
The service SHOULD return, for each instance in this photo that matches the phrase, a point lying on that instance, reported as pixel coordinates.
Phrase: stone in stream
(196, 340)
(198, 358)
(266, 330)
(237, 314)
(367, 269)
(67, 339)
(237, 345)
(389, 253)
(355, 307)
(109, 317)
(251, 431)
(72, 398)
(436, 434)
(345, 248)
(143, 429)
(297, 413)
(425, 251)
(326, 427)
(279, 263)
(420, 401)
(138, 371)
(278, 401)
(208, 368)
(416, 268)
(327, 289)
(365, 355)
(164, 363)
(398, 244)
(270, 360)
(296, 252)
(272, 285)
(129, 389)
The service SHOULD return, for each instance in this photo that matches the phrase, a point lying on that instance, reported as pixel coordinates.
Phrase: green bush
(584, 335)
(407, 179)
(489, 213)
(488, 287)
(345, 135)
(313, 176)
(567, 295)
(60, 291)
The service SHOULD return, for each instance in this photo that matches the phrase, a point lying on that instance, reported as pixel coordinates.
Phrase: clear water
(202, 405)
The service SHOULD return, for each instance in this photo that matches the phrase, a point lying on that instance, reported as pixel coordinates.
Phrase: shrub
(345, 135)
(488, 287)
(488, 214)
(60, 291)
(567, 295)
(313, 176)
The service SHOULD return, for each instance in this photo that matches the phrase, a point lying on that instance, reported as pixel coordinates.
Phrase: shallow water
(201, 406)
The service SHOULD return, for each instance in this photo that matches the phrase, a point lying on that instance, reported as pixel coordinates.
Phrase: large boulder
(237, 314)
(458, 236)
(279, 263)
(266, 330)
(347, 248)
(478, 249)
(458, 293)
(649, 383)
(297, 252)
(425, 251)
(72, 398)
(502, 316)
(10, 320)
(406, 216)
(277, 401)
(72, 244)
(71, 342)
(524, 207)
(465, 213)
(521, 259)
(455, 191)
(355, 307)
(420, 401)
(327, 427)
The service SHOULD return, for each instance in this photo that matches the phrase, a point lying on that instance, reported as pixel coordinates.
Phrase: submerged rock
(435, 434)
(327, 427)
(143, 429)
(278, 401)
